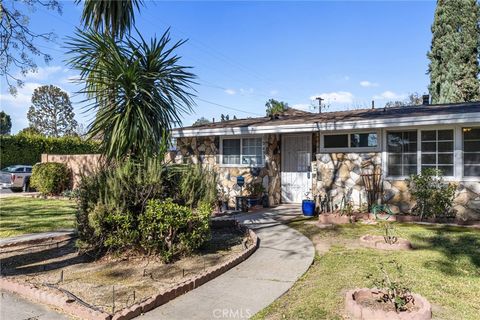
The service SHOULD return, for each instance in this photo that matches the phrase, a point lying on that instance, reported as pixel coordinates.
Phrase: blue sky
(247, 52)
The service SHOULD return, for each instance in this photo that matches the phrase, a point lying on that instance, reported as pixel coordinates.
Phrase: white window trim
(350, 149)
(240, 165)
(457, 151)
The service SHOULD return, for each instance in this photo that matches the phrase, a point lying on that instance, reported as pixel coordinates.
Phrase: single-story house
(324, 154)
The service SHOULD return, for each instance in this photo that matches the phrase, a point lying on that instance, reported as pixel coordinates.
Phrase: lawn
(444, 268)
(20, 215)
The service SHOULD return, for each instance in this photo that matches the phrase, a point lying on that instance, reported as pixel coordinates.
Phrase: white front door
(296, 161)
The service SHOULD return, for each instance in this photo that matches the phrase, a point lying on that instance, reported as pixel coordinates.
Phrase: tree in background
(51, 112)
(454, 66)
(275, 107)
(414, 99)
(18, 41)
(200, 122)
(5, 123)
(29, 131)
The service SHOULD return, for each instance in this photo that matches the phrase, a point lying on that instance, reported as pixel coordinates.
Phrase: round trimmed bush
(50, 178)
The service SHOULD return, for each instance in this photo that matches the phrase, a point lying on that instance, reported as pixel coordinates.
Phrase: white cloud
(246, 91)
(335, 97)
(346, 78)
(230, 91)
(367, 84)
(43, 73)
(23, 97)
(389, 95)
(273, 92)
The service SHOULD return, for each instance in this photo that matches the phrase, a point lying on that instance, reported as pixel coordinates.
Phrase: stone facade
(339, 177)
(205, 150)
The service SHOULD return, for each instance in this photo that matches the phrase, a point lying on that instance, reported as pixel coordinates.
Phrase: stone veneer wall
(339, 174)
(205, 150)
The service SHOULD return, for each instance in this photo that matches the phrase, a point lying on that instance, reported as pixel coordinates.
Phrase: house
(325, 154)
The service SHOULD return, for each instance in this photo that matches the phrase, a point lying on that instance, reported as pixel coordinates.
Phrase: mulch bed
(112, 283)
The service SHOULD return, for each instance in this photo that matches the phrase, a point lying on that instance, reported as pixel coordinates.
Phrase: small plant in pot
(254, 191)
(389, 298)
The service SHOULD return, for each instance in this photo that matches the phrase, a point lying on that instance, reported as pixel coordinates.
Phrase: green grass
(444, 268)
(20, 215)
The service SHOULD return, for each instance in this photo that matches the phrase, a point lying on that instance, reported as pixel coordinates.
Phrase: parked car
(17, 177)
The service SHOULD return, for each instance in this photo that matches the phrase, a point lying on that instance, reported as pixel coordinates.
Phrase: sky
(244, 53)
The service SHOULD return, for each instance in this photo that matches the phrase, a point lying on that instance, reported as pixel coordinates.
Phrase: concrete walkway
(13, 307)
(283, 256)
(35, 237)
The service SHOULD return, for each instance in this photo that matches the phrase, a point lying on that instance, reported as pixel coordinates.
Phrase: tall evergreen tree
(454, 66)
(51, 112)
(5, 123)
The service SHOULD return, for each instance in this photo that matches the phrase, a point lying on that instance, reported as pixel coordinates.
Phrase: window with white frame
(401, 153)
(352, 140)
(437, 150)
(242, 151)
(471, 152)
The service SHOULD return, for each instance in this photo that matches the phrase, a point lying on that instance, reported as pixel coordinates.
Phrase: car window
(9, 169)
(28, 169)
(21, 169)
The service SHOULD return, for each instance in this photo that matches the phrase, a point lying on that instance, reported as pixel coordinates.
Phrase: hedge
(27, 149)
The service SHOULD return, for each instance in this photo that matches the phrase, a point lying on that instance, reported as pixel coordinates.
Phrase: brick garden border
(62, 301)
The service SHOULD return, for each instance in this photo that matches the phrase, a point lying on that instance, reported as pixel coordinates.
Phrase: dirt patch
(111, 283)
(367, 304)
(379, 242)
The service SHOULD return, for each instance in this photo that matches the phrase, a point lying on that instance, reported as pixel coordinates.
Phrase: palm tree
(137, 89)
(115, 17)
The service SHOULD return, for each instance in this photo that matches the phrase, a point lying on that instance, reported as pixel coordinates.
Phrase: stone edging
(61, 301)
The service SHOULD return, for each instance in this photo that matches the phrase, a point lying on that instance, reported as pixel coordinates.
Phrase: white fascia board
(333, 126)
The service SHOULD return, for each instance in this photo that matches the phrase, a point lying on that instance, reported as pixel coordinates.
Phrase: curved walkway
(283, 256)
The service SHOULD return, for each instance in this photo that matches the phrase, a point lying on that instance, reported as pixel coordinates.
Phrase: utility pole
(319, 104)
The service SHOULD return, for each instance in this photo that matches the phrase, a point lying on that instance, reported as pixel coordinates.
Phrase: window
(242, 151)
(335, 141)
(363, 140)
(353, 140)
(402, 153)
(471, 152)
(252, 151)
(437, 150)
(231, 151)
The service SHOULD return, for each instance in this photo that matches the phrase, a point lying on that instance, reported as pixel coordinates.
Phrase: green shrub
(170, 229)
(50, 178)
(196, 184)
(434, 197)
(111, 199)
(116, 210)
(28, 148)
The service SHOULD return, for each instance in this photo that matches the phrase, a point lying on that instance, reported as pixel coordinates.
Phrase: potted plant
(254, 191)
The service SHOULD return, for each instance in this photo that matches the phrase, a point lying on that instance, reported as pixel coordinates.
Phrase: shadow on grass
(454, 245)
(44, 260)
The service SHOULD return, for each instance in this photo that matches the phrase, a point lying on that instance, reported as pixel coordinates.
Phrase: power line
(229, 108)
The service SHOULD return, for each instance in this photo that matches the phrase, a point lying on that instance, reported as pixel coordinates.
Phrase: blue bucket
(308, 208)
